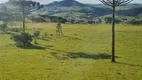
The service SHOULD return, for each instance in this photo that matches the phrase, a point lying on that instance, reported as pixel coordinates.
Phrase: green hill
(71, 9)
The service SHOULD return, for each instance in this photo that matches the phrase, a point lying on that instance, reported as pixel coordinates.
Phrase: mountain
(65, 3)
(72, 9)
(131, 12)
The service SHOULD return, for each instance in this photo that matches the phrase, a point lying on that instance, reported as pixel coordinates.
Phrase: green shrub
(15, 30)
(35, 35)
(136, 21)
(3, 27)
(22, 39)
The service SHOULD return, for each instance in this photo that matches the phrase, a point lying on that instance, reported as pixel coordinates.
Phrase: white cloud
(83, 1)
(2, 1)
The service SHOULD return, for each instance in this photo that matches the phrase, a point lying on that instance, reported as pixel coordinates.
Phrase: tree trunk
(113, 32)
(23, 11)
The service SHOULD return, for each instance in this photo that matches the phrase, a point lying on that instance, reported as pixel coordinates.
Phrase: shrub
(3, 27)
(22, 39)
(15, 29)
(35, 35)
(136, 21)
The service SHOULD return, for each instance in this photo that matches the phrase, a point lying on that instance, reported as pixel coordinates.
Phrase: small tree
(35, 35)
(59, 31)
(25, 6)
(8, 16)
(113, 4)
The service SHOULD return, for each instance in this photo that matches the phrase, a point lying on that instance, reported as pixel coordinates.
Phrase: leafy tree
(91, 22)
(8, 17)
(62, 20)
(98, 21)
(136, 21)
(113, 4)
(25, 6)
(5, 19)
(108, 20)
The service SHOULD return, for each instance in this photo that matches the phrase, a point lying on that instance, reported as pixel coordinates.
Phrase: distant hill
(65, 3)
(131, 12)
(72, 9)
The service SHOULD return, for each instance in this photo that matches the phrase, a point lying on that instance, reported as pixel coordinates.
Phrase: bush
(3, 27)
(35, 35)
(15, 30)
(136, 21)
(22, 39)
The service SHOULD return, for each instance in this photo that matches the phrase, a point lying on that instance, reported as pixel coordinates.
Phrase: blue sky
(82, 1)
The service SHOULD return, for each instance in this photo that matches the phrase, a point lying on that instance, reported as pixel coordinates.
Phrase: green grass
(84, 53)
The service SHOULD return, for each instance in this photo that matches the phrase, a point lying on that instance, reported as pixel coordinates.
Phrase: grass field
(84, 53)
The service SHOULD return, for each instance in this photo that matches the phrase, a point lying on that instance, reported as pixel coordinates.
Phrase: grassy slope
(84, 54)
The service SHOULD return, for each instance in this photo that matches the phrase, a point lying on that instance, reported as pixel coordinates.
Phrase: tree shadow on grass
(70, 38)
(31, 46)
(89, 55)
(47, 38)
(74, 38)
(133, 65)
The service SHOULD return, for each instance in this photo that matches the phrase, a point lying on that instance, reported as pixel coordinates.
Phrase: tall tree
(7, 17)
(25, 6)
(113, 4)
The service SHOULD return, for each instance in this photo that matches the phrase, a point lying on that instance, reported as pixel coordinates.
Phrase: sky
(82, 1)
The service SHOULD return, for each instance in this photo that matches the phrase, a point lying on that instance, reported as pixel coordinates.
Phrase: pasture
(83, 53)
